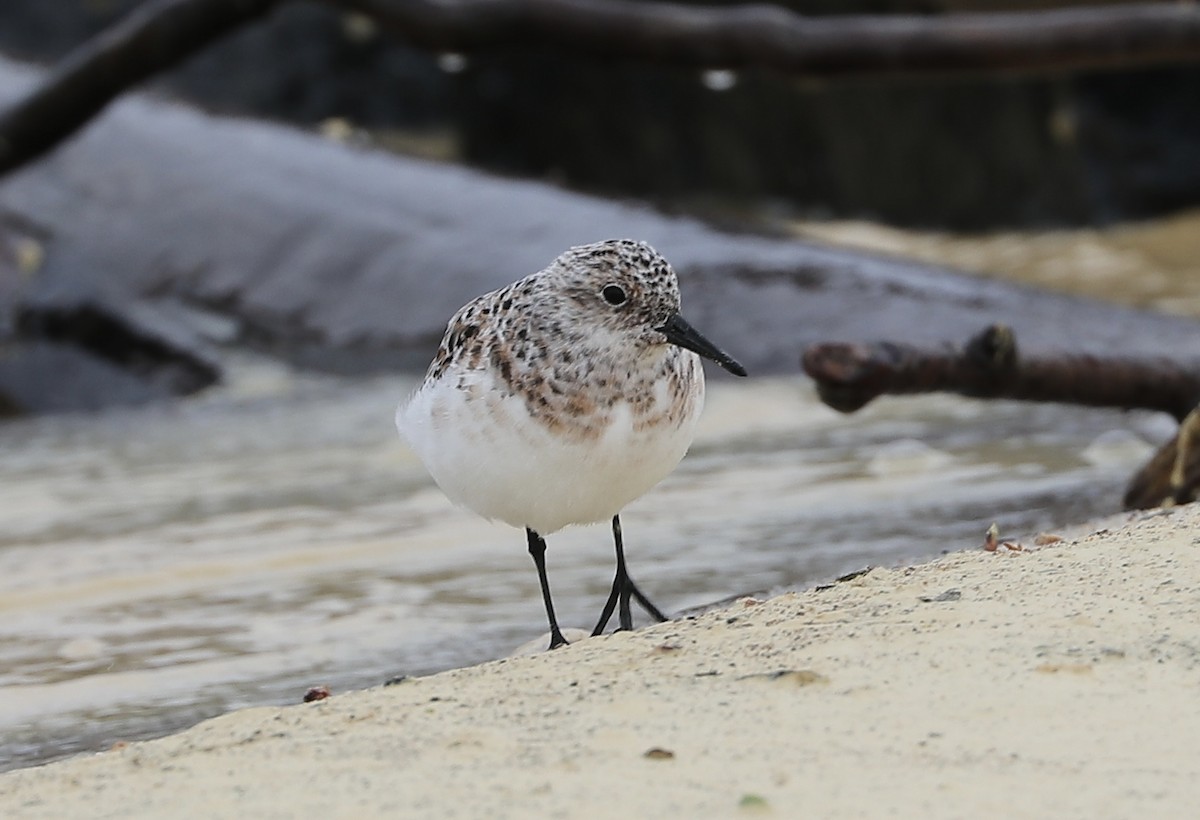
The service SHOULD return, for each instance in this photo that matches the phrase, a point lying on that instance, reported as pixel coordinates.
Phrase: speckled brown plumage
(548, 339)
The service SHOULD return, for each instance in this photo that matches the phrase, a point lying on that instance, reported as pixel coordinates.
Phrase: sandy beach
(1056, 681)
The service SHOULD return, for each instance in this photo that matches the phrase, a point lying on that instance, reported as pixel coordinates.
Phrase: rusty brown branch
(849, 376)
(162, 33)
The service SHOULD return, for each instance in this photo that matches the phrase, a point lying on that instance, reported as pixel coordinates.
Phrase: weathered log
(161, 33)
(774, 37)
(155, 37)
(988, 366)
(1172, 475)
(849, 376)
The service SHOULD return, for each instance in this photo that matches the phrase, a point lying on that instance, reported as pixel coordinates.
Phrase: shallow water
(164, 565)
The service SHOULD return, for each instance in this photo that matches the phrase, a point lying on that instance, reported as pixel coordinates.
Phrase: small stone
(948, 595)
(317, 693)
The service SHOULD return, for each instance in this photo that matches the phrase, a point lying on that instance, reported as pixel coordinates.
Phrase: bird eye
(614, 295)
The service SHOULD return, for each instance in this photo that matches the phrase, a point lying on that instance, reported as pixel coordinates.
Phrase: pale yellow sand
(1058, 683)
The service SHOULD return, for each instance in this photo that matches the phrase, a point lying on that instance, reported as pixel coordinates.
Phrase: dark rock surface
(80, 340)
(354, 259)
(45, 377)
(142, 339)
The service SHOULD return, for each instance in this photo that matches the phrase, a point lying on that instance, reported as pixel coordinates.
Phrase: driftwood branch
(162, 33)
(988, 366)
(155, 37)
(849, 376)
(1172, 475)
(773, 37)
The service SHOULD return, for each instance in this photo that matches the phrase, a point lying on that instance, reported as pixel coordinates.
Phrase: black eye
(614, 295)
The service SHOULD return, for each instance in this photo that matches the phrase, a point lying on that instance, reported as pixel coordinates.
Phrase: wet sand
(1059, 681)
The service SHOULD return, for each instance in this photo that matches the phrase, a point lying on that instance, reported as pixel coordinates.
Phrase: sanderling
(562, 397)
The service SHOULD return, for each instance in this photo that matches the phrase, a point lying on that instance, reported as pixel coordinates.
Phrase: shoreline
(1055, 680)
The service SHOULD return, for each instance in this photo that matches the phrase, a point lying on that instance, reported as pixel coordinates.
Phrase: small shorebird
(562, 397)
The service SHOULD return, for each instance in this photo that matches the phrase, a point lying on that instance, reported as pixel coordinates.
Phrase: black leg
(622, 588)
(537, 549)
(624, 616)
(609, 606)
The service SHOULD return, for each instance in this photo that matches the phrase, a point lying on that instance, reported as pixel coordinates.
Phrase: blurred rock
(46, 377)
(143, 339)
(78, 341)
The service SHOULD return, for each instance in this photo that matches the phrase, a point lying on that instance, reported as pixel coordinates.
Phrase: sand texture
(1059, 682)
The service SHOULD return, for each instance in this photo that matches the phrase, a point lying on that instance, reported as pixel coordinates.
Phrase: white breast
(490, 455)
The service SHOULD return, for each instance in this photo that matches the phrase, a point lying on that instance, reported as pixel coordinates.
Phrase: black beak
(679, 332)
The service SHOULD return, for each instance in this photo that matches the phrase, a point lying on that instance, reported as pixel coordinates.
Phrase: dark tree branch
(163, 33)
(155, 37)
(849, 376)
(773, 37)
(988, 366)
